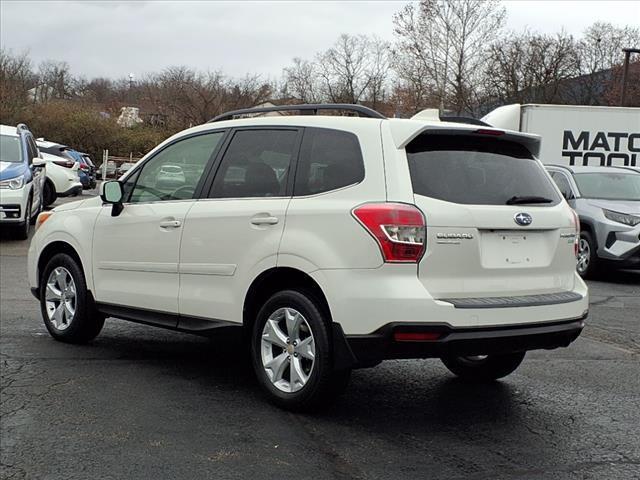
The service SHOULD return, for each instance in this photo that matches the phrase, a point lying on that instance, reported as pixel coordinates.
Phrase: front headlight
(624, 218)
(13, 183)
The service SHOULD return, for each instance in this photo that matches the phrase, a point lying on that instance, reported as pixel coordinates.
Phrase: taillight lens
(399, 229)
(64, 163)
(576, 226)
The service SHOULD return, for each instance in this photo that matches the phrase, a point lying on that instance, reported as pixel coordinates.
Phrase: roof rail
(21, 126)
(309, 109)
(470, 121)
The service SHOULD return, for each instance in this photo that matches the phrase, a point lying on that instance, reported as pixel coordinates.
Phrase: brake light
(576, 226)
(484, 131)
(399, 229)
(64, 163)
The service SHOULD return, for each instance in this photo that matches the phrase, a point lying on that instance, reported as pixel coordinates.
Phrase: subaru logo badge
(523, 219)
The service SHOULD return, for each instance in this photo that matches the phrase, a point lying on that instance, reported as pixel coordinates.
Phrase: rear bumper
(368, 350)
(76, 189)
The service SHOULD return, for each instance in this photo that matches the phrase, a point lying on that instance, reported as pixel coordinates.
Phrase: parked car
(111, 170)
(607, 200)
(68, 157)
(124, 168)
(86, 166)
(22, 174)
(383, 238)
(60, 181)
(170, 176)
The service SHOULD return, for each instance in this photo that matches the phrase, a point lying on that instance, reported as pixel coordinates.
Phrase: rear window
(329, 159)
(479, 171)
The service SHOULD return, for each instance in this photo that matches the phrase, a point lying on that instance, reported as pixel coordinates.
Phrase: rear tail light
(484, 131)
(576, 226)
(64, 163)
(399, 229)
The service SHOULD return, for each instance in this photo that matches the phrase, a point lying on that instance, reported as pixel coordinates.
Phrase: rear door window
(563, 184)
(256, 164)
(474, 170)
(329, 159)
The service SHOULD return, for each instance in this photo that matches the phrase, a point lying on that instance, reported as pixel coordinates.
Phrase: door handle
(170, 224)
(264, 220)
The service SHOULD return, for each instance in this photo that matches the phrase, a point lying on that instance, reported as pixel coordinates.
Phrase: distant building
(129, 117)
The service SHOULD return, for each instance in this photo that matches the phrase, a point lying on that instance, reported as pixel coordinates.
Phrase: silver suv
(607, 200)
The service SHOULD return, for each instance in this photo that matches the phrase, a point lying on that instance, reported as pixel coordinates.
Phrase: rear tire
(292, 352)
(66, 305)
(484, 368)
(48, 194)
(587, 264)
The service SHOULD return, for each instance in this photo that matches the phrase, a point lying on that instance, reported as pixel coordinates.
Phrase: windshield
(482, 171)
(10, 150)
(609, 185)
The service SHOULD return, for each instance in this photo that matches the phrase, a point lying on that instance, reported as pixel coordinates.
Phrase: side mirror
(568, 195)
(111, 192)
(39, 162)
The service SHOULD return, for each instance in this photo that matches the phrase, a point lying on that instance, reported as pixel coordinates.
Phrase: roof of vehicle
(8, 130)
(594, 169)
(402, 130)
(48, 144)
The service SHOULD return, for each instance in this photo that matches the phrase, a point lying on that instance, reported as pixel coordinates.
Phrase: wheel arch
(276, 279)
(52, 249)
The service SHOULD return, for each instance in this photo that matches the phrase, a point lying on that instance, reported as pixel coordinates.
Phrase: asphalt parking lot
(143, 403)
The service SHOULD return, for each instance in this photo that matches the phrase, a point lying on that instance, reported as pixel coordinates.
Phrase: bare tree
(598, 52)
(16, 78)
(189, 97)
(54, 81)
(440, 47)
(354, 70)
(530, 67)
(301, 81)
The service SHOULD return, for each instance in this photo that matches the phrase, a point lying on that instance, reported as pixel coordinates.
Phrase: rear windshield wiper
(515, 200)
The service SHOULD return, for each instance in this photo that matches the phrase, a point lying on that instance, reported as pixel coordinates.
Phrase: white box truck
(577, 135)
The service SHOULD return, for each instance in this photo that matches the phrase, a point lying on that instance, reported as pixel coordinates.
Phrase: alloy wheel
(60, 298)
(584, 255)
(287, 350)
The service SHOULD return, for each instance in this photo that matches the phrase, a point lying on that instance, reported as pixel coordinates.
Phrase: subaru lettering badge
(523, 219)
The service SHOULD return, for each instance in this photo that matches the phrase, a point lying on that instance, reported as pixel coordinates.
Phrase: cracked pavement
(143, 403)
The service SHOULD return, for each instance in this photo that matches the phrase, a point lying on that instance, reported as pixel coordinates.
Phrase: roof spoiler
(403, 133)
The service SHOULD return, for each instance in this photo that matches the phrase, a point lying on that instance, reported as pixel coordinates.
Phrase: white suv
(330, 242)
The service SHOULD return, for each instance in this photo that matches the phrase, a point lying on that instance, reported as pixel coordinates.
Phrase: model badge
(523, 219)
(459, 236)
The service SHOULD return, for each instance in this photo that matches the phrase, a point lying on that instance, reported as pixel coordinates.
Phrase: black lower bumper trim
(517, 301)
(368, 350)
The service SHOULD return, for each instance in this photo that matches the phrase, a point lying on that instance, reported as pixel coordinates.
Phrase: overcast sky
(117, 38)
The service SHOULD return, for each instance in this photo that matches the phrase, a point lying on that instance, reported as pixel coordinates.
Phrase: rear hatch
(496, 225)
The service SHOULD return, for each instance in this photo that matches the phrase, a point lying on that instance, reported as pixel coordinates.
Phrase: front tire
(483, 368)
(292, 352)
(587, 261)
(22, 230)
(66, 305)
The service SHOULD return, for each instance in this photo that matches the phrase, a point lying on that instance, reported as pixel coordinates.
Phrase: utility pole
(625, 72)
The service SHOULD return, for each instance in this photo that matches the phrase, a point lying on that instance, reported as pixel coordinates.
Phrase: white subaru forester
(330, 243)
